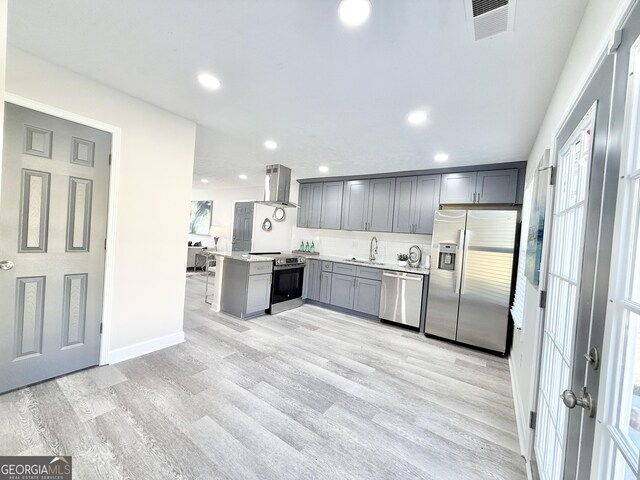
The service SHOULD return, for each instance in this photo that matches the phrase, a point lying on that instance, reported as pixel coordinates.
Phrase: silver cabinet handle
(6, 265)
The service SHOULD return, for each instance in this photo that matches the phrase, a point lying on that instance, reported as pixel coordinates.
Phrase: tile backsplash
(340, 243)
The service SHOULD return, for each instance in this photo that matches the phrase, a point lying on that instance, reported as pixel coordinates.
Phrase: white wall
(279, 238)
(154, 190)
(346, 244)
(222, 215)
(593, 34)
(3, 57)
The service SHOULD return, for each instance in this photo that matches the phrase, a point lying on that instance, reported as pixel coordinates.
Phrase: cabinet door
(427, 202)
(304, 202)
(497, 186)
(315, 205)
(367, 296)
(258, 293)
(355, 205)
(380, 208)
(325, 287)
(315, 280)
(404, 205)
(342, 290)
(331, 212)
(458, 187)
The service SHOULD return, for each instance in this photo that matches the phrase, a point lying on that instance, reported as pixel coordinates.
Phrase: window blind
(517, 309)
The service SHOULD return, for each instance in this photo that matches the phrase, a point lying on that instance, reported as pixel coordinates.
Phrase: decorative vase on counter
(402, 263)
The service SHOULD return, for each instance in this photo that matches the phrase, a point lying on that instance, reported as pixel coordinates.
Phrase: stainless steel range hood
(277, 185)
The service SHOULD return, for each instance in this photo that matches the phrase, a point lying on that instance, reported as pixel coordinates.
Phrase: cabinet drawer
(370, 273)
(344, 269)
(327, 266)
(260, 268)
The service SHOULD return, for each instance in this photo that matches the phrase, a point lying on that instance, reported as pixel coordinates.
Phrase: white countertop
(244, 257)
(383, 266)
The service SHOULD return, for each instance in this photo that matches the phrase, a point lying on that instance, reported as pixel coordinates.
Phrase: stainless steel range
(286, 283)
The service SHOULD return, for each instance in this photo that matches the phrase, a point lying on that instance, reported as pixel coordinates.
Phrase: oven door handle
(287, 267)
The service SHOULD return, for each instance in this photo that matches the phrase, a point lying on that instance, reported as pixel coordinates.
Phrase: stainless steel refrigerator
(470, 280)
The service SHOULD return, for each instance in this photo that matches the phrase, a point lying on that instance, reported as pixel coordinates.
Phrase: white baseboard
(520, 417)
(142, 348)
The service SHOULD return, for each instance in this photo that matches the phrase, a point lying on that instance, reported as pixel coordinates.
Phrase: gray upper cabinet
(458, 187)
(368, 205)
(497, 186)
(427, 202)
(367, 296)
(416, 200)
(381, 201)
(405, 204)
(310, 202)
(491, 186)
(331, 205)
(355, 205)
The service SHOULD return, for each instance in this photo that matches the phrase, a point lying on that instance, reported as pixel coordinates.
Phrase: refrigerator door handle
(465, 253)
(458, 265)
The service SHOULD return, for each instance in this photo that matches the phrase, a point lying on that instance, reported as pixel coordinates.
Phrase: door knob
(571, 400)
(6, 265)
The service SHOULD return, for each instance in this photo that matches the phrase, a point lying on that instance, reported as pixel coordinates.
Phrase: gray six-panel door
(53, 215)
(242, 226)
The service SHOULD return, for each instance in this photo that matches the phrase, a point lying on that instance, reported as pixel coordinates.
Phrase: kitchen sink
(364, 262)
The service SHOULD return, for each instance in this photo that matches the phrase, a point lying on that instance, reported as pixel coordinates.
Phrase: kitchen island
(243, 284)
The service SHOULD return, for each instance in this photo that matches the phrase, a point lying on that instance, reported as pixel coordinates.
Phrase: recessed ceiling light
(323, 169)
(242, 176)
(209, 81)
(417, 117)
(441, 157)
(270, 145)
(204, 180)
(354, 13)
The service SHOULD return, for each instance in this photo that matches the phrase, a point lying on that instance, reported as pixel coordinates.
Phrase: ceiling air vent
(487, 18)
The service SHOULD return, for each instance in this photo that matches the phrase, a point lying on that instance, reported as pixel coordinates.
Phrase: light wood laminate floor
(307, 394)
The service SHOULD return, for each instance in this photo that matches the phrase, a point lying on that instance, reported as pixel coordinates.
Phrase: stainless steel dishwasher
(401, 297)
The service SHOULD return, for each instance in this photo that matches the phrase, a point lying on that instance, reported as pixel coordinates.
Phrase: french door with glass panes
(618, 430)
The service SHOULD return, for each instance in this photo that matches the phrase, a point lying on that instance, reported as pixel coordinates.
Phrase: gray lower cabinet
(258, 293)
(416, 200)
(367, 296)
(331, 209)
(342, 290)
(325, 287)
(246, 287)
(311, 281)
(497, 186)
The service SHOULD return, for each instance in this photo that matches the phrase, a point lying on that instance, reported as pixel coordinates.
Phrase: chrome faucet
(373, 249)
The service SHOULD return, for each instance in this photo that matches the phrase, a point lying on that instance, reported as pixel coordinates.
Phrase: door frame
(112, 206)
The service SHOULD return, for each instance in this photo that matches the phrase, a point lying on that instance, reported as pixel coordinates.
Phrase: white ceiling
(327, 94)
